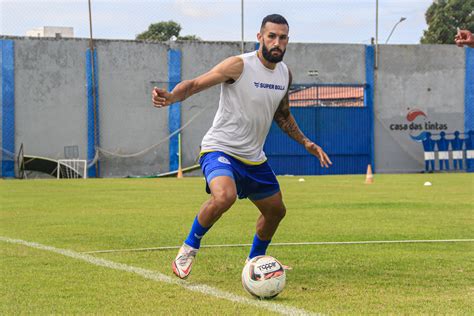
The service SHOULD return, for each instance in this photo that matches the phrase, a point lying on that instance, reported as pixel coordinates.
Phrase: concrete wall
(429, 78)
(129, 123)
(51, 96)
(335, 63)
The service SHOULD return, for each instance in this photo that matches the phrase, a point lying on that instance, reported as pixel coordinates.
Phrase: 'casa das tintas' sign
(418, 124)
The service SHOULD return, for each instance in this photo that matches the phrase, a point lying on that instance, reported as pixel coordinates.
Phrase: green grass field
(88, 215)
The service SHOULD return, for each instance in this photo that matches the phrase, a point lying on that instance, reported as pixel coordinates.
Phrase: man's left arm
(287, 123)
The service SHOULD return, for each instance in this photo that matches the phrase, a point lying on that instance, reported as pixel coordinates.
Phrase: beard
(267, 54)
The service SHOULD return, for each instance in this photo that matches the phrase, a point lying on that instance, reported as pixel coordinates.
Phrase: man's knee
(275, 215)
(224, 199)
(280, 213)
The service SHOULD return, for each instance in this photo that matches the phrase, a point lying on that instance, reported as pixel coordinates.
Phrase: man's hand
(161, 97)
(464, 37)
(314, 149)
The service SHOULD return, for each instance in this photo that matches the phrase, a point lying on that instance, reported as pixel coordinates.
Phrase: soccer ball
(263, 277)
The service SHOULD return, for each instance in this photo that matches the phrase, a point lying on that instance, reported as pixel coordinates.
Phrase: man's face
(273, 39)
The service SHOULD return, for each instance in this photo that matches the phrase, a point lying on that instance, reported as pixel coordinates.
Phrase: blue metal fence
(343, 131)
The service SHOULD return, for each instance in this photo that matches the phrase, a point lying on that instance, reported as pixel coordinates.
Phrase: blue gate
(337, 117)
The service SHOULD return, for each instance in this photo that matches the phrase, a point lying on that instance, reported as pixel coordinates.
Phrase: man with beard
(254, 91)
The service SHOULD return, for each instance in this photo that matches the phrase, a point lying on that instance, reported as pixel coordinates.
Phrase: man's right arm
(228, 70)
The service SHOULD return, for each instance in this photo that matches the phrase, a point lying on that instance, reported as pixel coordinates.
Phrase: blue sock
(259, 247)
(195, 235)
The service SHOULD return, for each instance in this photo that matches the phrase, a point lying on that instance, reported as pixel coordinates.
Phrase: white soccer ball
(263, 277)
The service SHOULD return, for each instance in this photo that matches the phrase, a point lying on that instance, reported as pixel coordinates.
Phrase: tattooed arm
(287, 123)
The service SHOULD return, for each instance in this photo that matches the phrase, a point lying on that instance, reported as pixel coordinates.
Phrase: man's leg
(272, 212)
(223, 195)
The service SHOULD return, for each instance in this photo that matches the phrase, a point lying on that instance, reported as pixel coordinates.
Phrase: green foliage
(164, 31)
(189, 38)
(86, 215)
(444, 17)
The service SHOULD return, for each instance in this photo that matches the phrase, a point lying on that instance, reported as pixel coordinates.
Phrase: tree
(444, 17)
(189, 38)
(165, 31)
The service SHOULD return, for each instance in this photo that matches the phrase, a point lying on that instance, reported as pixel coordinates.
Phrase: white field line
(294, 244)
(159, 277)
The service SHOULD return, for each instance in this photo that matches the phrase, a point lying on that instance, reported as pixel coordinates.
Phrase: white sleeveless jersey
(246, 110)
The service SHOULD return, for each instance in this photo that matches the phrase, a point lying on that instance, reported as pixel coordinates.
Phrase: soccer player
(254, 91)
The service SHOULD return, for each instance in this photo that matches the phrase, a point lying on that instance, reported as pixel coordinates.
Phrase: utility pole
(242, 25)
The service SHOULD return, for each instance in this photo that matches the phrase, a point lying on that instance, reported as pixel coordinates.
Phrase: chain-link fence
(404, 78)
(323, 21)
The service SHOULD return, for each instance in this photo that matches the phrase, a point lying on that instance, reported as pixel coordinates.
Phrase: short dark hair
(274, 18)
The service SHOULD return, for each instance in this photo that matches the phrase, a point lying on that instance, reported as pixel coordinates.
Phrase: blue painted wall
(369, 98)
(92, 128)
(7, 65)
(174, 114)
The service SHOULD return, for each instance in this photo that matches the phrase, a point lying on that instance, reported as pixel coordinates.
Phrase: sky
(311, 21)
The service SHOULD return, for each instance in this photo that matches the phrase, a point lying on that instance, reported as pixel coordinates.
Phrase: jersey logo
(223, 160)
(271, 86)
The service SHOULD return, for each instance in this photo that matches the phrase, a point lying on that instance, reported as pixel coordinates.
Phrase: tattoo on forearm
(287, 122)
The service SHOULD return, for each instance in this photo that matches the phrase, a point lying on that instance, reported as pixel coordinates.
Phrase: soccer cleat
(184, 261)
(285, 267)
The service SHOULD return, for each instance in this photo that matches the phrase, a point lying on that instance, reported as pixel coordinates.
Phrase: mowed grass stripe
(156, 276)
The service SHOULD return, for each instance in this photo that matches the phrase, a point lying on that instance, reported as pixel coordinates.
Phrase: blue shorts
(255, 182)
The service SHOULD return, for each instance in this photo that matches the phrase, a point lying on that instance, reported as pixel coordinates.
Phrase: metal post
(242, 25)
(179, 151)
(393, 29)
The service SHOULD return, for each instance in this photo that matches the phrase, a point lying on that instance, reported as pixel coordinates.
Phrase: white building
(51, 31)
